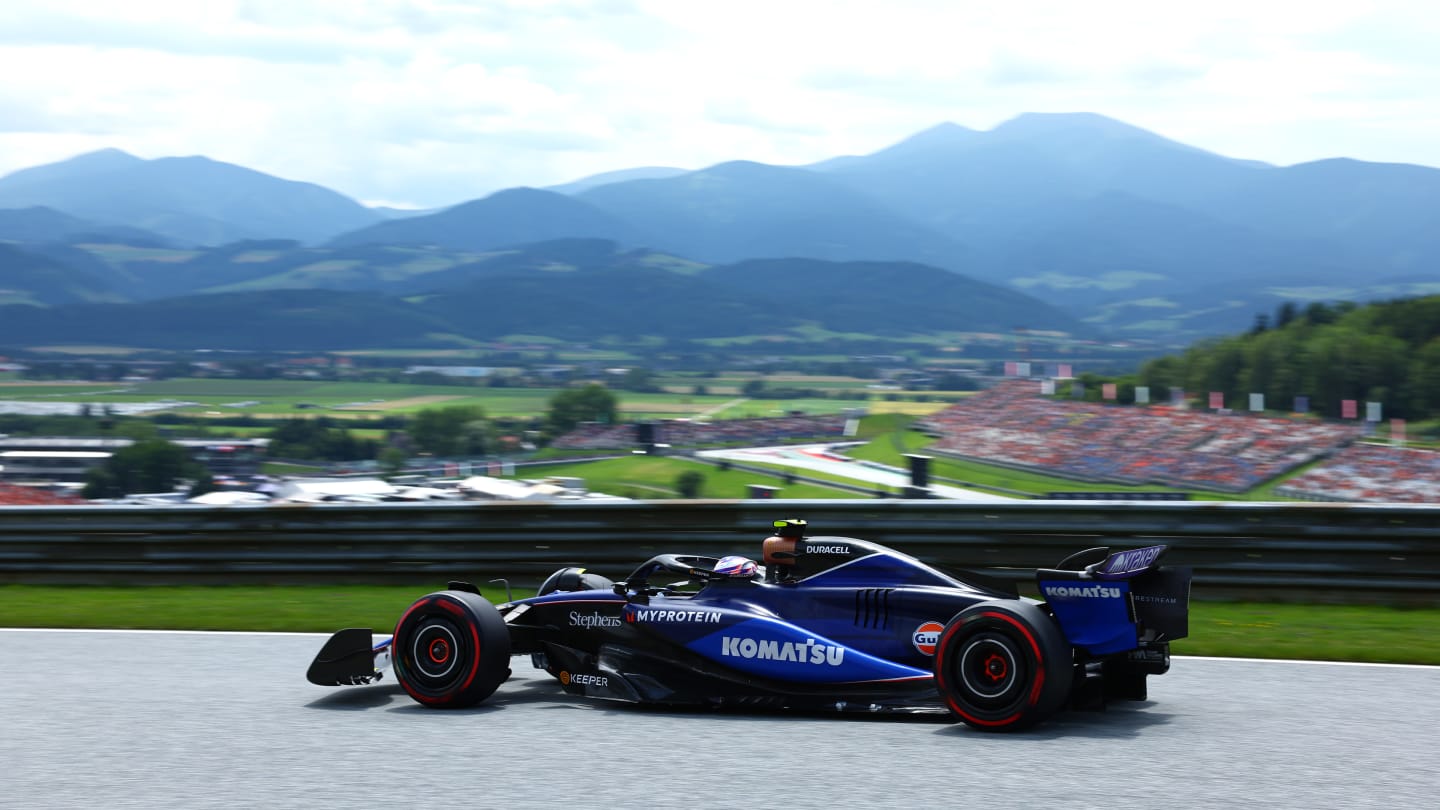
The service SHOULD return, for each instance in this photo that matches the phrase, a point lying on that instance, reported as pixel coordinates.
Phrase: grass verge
(1239, 629)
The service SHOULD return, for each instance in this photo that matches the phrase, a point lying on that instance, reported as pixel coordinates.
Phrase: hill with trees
(1387, 352)
(577, 290)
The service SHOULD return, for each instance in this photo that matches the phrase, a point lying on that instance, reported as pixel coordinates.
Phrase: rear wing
(1120, 600)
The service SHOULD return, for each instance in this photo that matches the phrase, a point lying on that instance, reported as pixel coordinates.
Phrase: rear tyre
(451, 650)
(1003, 665)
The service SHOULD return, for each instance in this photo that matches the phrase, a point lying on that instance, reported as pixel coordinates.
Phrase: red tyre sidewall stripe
(1034, 696)
(475, 659)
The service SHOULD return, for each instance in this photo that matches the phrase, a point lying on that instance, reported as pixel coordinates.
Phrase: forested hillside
(1387, 353)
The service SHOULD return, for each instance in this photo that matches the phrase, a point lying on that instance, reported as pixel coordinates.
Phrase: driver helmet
(736, 566)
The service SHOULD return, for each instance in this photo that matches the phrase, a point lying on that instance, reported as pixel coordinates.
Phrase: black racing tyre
(1003, 665)
(451, 649)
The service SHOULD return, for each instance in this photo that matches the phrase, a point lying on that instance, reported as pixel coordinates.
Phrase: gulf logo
(926, 636)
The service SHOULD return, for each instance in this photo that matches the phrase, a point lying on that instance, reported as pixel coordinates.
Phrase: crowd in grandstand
(1012, 424)
(685, 433)
(1370, 472)
(11, 495)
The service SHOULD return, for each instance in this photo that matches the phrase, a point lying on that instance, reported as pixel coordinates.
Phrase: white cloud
(435, 102)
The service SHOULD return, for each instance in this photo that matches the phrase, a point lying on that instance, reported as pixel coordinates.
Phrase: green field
(364, 400)
(653, 477)
(278, 398)
(1247, 630)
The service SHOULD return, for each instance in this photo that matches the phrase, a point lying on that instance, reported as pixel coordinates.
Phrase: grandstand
(1371, 472)
(1012, 424)
(11, 495)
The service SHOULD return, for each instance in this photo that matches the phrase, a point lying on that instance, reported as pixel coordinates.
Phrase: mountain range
(1120, 229)
(282, 295)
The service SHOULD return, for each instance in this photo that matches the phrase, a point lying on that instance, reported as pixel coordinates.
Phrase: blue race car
(825, 623)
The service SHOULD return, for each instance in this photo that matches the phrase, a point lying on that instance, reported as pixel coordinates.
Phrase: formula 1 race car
(826, 623)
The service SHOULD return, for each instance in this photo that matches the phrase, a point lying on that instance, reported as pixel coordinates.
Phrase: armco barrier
(1277, 551)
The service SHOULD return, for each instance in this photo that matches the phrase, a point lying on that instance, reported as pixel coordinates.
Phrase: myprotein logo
(1079, 592)
(591, 621)
(692, 616)
(808, 652)
(926, 636)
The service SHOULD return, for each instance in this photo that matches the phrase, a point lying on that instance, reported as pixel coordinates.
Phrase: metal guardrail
(1323, 552)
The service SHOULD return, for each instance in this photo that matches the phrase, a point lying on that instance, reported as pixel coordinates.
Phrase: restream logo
(590, 621)
(1089, 592)
(806, 652)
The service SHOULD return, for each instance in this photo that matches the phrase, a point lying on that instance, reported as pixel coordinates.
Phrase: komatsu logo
(806, 652)
(812, 549)
(590, 621)
(696, 616)
(1090, 592)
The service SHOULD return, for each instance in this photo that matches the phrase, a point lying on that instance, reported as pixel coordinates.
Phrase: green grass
(1322, 632)
(653, 477)
(1245, 630)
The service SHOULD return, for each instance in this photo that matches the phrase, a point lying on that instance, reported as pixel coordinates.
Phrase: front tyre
(1003, 665)
(451, 650)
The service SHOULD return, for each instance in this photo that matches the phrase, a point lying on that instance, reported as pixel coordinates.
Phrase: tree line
(1387, 352)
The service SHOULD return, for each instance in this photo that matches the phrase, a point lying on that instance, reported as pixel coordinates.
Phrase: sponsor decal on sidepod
(926, 636)
(696, 616)
(807, 652)
(590, 621)
(583, 679)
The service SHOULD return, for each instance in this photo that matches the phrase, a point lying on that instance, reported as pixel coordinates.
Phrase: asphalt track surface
(192, 720)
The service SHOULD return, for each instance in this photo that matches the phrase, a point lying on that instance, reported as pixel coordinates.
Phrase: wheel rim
(991, 669)
(435, 652)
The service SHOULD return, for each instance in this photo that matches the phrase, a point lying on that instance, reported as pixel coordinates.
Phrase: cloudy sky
(431, 102)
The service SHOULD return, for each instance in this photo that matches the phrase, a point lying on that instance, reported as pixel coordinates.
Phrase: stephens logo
(590, 621)
(926, 636)
(806, 652)
(584, 680)
(1091, 592)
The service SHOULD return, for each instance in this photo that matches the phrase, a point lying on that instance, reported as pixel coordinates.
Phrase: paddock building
(43, 460)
